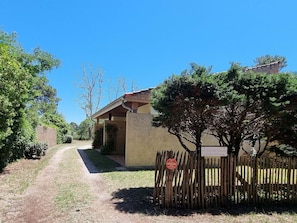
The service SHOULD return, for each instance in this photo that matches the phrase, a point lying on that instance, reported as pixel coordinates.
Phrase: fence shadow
(135, 200)
(140, 200)
(88, 163)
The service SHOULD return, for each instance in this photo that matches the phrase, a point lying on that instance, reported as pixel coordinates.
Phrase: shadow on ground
(140, 200)
(96, 162)
(90, 166)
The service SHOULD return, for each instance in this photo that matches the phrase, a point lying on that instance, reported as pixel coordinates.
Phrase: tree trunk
(90, 133)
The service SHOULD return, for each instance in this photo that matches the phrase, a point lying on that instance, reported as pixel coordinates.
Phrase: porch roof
(121, 105)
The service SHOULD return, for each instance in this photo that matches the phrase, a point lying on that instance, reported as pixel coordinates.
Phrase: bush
(97, 142)
(107, 148)
(110, 144)
(18, 148)
(35, 150)
(67, 139)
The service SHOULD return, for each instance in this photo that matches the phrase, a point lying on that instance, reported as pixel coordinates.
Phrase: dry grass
(131, 194)
(18, 176)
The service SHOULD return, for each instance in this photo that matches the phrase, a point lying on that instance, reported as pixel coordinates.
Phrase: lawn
(131, 193)
(134, 190)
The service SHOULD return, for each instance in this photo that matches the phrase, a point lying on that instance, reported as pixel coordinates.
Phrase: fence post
(255, 179)
(169, 184)
(169, 188)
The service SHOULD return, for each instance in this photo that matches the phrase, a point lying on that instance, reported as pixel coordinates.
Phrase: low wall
(143, 141)
(46, 134)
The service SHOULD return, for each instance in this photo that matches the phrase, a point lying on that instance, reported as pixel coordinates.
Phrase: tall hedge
(24, 95)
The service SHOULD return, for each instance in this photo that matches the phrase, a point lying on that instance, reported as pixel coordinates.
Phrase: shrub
(67, 139)
(97, 142)
(107, 148)
(18, 148)
(35, 150)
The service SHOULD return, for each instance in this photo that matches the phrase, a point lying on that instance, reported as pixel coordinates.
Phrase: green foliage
(45, 99)
(14, 94)
(98, 139)
(67, 139)
(185, 104)
(16, 143)
(35, 150)
(109, 146)
(24, 95)
(254, 104)
(269, 59)
(73, 130)
(84, 129)
(234, 105)
(58, 122)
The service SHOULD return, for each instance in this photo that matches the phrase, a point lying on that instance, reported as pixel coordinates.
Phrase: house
(136, 140)
(127, 123)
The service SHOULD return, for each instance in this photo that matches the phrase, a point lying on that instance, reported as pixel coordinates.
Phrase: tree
(91, 86)
(83, 130)
(74, 129)
(14, 94)
(269, 59)
(254, 106)
(233, 121)
(233, 106)
(118, 90)
(185, 104)
(19, 92)
(45, 99)
(282, 117)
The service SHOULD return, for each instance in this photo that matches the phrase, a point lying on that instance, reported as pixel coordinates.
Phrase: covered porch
(111, 120)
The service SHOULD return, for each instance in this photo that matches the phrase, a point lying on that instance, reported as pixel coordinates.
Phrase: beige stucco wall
(143, 141)
(144, 109)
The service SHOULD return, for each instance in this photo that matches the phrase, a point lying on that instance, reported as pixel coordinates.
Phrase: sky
(143, 42)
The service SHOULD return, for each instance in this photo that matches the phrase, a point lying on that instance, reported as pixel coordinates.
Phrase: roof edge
(108, 107)
(117, 102)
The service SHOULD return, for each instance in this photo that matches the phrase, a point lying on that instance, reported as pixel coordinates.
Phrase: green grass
(102, 162)
(72, 195)
(72, 191)
(132, 190)
(119, 178)
(27, 171)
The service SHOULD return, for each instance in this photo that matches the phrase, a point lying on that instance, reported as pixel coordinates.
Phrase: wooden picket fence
(199, 182)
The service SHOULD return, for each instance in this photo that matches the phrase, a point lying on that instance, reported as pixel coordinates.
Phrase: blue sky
(145, 41)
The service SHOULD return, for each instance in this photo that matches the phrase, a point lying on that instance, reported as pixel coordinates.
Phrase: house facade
(134, 138)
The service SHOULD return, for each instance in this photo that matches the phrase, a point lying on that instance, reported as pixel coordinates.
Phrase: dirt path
(42, 193)
(70, 168)
(37, 202)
